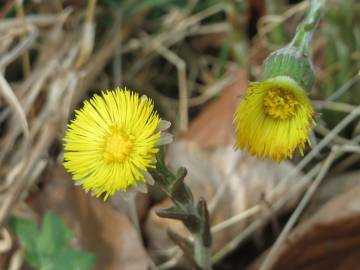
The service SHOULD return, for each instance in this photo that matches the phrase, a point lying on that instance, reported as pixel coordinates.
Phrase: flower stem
(294, 59)
(194, 216)
(305, 30)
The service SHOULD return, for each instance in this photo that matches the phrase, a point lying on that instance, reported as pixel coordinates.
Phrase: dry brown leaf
(213, 127)
(328, 240)
(333, 186)
(211, 41)
(102, 230)
(3, 260)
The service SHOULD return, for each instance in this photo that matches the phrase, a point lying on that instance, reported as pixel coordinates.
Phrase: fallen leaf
(330, 239)
(213, 127)
(333, 186)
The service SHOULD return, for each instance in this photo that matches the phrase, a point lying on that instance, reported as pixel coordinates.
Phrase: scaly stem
(305, 30)
(293, 60)
(194, 216)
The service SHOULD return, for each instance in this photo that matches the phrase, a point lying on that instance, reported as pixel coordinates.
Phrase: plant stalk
(193, 215)
(306, 29)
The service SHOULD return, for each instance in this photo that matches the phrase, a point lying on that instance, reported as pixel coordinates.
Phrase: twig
(221, 190)
(5, 241)
(346, 163)
(345, 87)
(325, 141)
(88, 35)
(173, 261)
(321, 145)
(25, 44)
(235, 219)
(182, 84)
(171, 37)
(179, 32)
(233, 244)
(223, 27)
(335, 106)
(17, 259)
(279, 204)
(117, 62)
(14, 103)
(268, 211)
(322, 130)
(50, 130)
(26, 57)
(212, 91)
(35, 20)
(269, 22)
(296, 214)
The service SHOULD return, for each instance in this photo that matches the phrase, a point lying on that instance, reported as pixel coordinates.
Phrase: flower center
(280, 104)
(118, 146)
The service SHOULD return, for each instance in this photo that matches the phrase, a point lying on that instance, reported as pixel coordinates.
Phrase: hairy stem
(194, 216)
(306, 29)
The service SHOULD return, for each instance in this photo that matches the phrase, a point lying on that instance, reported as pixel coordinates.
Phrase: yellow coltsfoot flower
(274, 118)
(112, 142)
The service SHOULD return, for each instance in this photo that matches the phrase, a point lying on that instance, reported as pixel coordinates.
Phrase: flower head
(273, 119)
(112, 142)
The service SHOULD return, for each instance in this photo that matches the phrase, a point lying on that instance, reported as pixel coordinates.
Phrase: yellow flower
(273, 119)
(112, 142)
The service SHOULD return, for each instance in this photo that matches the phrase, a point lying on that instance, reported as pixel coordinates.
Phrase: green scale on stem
(194, 216)
(293, 60)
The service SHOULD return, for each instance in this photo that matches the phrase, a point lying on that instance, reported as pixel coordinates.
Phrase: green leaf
(68, 259)
(27, 232)
(54, 235)
(49, 249)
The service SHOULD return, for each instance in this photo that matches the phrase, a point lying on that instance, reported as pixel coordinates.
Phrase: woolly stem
(306, 29)
(194, 216)
(293, 60)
